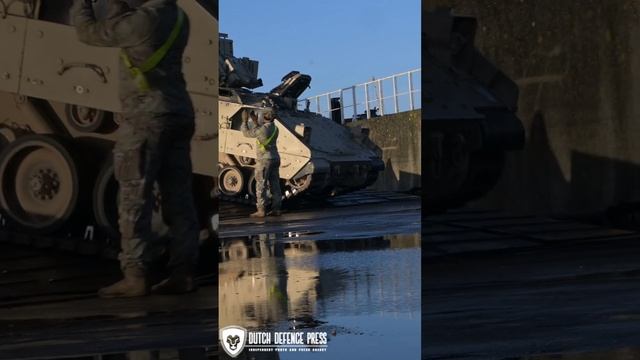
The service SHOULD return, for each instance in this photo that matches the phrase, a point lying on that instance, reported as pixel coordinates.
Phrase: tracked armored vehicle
(318, 156)
(59, 110)
(469, 113)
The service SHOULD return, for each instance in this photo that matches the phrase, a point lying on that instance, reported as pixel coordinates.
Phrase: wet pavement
(350, 271)
(49, 309)
(359, 215)
(349, 266)
(616, 354)
(529, 288)
(197, 353)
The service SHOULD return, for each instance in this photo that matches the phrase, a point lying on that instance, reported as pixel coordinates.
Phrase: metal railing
(369, 99)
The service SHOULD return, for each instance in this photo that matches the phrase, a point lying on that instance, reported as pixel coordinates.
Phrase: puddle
(363, 293)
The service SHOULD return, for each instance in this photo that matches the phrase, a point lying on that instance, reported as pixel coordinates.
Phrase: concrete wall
(578, 67)
(398, 137)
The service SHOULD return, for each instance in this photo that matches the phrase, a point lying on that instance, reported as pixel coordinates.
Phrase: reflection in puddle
(365, 293)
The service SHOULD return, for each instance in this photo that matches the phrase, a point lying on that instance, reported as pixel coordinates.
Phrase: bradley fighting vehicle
(58, 116)
(469, 113)
(318, 156)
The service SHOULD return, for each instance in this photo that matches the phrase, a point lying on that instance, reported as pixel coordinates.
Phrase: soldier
(267, 161)
(154, 137)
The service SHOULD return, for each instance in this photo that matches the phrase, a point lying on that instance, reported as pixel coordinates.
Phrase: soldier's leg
(274, 183)
(261, 187)
(179, 213)
(135, 168)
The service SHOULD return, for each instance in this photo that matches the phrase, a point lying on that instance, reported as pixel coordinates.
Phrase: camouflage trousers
(268, 171)
(154, 149)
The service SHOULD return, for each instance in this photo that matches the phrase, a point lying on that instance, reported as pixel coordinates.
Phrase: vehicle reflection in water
(365, 293)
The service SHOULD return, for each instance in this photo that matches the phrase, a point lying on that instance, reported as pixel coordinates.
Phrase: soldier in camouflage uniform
(154, 137)
(267, 162)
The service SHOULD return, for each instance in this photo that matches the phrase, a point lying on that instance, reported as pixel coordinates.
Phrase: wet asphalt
(49, 310)
(529, 288)
(350, 267)
(351, 270)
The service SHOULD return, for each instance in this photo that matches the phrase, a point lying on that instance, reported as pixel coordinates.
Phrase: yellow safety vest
(263, 147)
(137, 73)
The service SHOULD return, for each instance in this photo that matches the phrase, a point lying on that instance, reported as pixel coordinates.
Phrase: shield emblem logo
(233, 340)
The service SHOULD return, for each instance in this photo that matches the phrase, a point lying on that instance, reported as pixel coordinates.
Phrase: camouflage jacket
(140, 32)
(262, 134)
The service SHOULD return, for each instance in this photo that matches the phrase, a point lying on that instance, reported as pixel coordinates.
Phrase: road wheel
(238, 251)
(301, 184)
(246, 161)
(88, 120)
(40, 185)
(231, 181)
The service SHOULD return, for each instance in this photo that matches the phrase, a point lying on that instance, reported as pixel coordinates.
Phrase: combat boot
(258, 214)
(134, 284)
(275, 212)
(179, 282)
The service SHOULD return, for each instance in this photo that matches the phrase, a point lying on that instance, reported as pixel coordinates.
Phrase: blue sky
(338, 42)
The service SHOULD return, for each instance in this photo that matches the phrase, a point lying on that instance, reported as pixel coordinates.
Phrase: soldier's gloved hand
(245, 116)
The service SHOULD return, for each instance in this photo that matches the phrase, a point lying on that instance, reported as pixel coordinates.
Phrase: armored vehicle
(59, 110)
(468, 114)
(318, 156)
